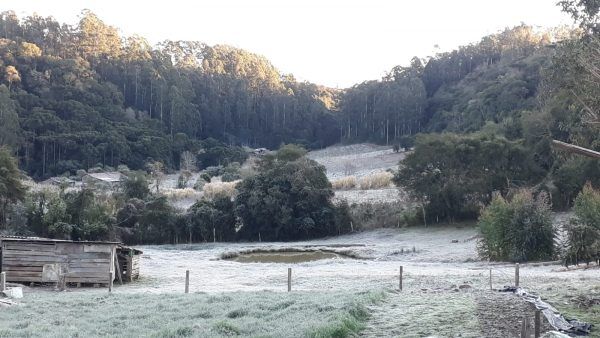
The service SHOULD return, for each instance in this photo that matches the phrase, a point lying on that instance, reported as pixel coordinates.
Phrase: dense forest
(74, 97)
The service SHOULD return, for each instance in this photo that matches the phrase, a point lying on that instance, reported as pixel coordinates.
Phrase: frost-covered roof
(107, 177)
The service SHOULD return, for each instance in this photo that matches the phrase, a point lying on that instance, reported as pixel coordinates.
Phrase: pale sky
(332, 42)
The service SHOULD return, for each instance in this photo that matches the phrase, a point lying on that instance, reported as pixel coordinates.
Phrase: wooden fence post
(400, 278)
(525, 328)
(187, 281)
(517, 275)
(2, 281)
(537, 324)
(289, 279)
(110, 281)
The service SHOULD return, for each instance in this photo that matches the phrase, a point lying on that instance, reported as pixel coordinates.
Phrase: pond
(285, 257)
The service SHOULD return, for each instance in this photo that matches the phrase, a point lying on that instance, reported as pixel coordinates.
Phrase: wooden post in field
(110, 281)
(525, 328)
(517, 275)
(537, 324)
(187, 281)
(491, 279)
(214, 235)
(400, 278)
(289, 279)
(2, 281)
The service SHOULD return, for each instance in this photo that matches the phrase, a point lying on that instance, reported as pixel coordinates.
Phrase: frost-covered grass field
(445, 292)
(260, 314)
(357, 159)
(356, 171)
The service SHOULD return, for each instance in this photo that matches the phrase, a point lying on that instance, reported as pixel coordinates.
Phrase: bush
(214, 189)
(376, 181)
(199, 185)
(184, 179)
(206, 177)
(519, 230)
(454, 175)
(583, 232)
(286, 201)
(344, 183)
(136, 186)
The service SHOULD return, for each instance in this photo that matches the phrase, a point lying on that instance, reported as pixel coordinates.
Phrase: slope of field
(358, 159)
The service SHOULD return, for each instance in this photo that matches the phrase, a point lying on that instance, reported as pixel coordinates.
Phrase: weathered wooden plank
(24, 273)
(24, 279)
(75, 264)
(92, 270)
(103, 248)
(29, 247)
(69, 248)
(89, 260)
(18, 259)
(8, 253)
(98, 277)
(86, 280)
(22, 268)
(89, 255)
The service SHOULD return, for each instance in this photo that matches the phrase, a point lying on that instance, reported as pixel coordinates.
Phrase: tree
(12, 75)
(286, 201)
(517, 230)
(212, 220)
(452, 175)
(12, 189)
(583, 231)
(9, 120)
(96, 39)
(136, 186)
(156, 170)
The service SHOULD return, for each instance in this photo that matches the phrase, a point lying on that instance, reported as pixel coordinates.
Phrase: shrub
(344, 183)
(519, 230)
(214, 189)
(286, 201)
(213, 171)
(200, 183)
(583, 232)
(376, 181)
(136, 186)
(184, 179)
(205, 176)
(180, 194)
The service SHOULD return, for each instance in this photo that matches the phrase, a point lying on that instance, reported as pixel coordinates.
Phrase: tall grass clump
(517, 230)
(344, 183)
(583, 231)
(376, 181)
(180, 194)
(219, 189)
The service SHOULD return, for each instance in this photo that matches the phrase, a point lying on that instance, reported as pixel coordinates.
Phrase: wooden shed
(129, 262)
(44, 260)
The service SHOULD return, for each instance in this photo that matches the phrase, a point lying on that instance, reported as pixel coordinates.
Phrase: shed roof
(107, 177)
(49, 240)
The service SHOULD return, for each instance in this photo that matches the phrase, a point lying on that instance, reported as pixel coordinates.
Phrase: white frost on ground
(369, 196)
(436, 263)
(357, 159)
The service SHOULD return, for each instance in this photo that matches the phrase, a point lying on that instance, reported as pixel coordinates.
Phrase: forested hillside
(74, 97)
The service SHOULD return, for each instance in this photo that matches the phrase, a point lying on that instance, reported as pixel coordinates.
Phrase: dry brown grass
(376, 181)
(213, 189)
(180, 194)
(344, 183)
